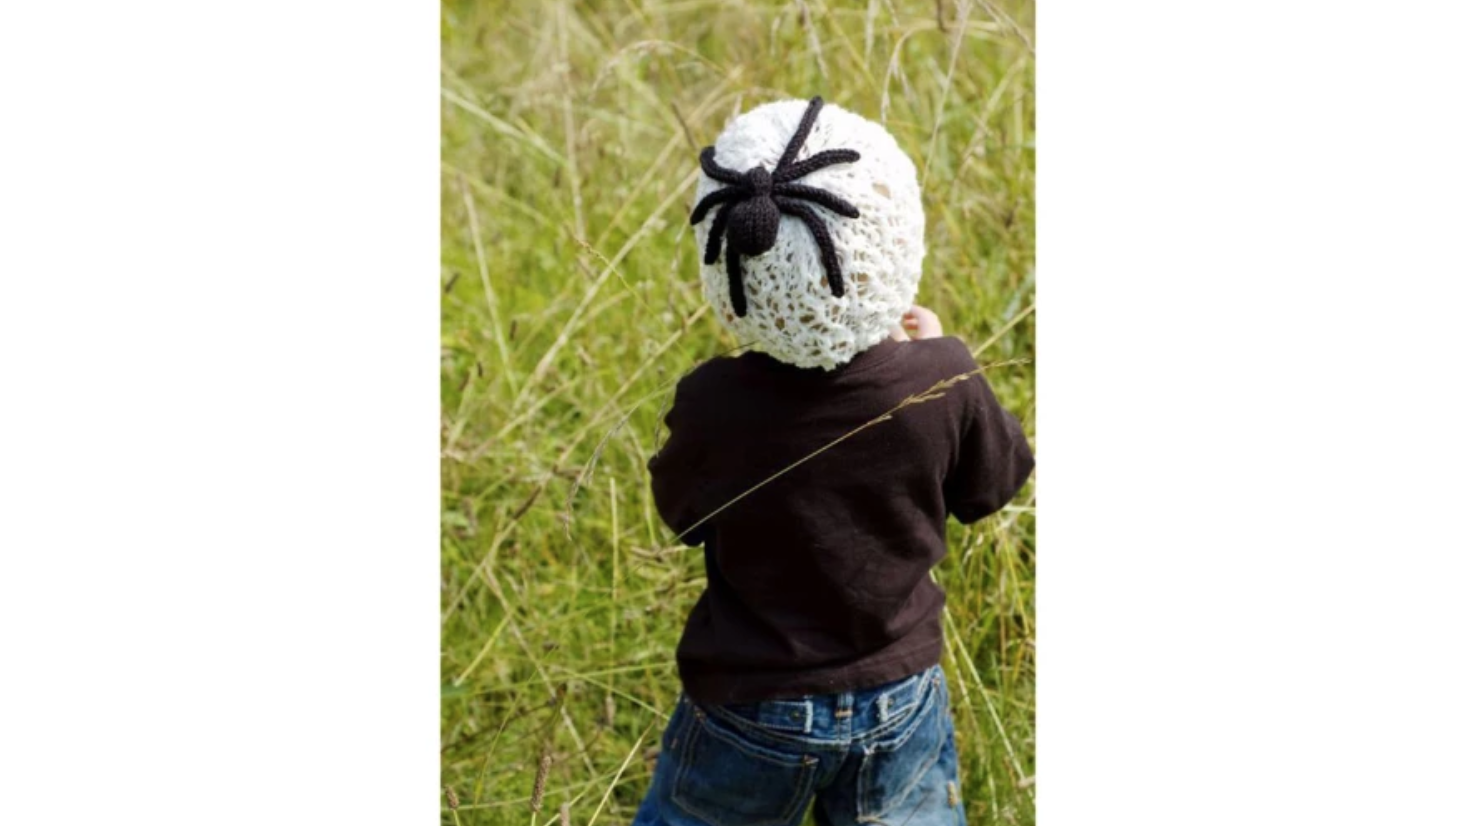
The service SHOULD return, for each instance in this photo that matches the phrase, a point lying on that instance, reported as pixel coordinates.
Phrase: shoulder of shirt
(945, 356)
(706, 377)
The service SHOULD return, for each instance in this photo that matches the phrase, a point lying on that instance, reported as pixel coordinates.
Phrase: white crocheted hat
(780, 191)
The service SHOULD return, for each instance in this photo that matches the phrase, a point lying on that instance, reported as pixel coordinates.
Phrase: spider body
(757, 212)
(750, 205)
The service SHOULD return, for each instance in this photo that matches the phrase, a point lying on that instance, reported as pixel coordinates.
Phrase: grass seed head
(540, 781)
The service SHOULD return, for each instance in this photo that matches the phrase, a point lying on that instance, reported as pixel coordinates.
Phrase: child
(810, 664)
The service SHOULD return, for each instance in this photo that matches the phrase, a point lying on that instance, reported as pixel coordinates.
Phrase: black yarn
(750, 206)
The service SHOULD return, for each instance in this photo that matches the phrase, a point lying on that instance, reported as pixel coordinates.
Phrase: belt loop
(843, 710)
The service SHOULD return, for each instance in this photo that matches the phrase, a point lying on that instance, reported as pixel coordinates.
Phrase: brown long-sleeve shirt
(818, 581)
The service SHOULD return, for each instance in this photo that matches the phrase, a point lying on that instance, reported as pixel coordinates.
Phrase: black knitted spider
(752, 202)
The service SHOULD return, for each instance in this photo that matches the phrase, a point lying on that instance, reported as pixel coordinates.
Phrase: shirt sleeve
(994, 459)
(676, 469)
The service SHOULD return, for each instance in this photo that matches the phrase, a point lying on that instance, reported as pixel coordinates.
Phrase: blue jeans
(884, 755)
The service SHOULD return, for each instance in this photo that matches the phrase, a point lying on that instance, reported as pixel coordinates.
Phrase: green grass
(571, 305)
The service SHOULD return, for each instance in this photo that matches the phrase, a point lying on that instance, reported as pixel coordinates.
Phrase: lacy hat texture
(787, 307)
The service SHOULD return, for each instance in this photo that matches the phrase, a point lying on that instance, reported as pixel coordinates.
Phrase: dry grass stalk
(630, 755)
(540, 781)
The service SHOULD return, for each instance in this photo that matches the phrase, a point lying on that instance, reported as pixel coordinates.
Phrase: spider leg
(816, 225)
(720, 196)
(800, 133)
(819, 160)
(735, 282)
(715, 233)
(834, 203)
(708, 159)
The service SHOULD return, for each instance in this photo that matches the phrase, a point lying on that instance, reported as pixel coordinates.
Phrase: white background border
(219, 483)
(1256, 413)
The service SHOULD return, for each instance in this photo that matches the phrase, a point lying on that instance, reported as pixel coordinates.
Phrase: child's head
(779, 290)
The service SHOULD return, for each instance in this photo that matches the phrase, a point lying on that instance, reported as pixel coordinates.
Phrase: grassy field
(571, 305)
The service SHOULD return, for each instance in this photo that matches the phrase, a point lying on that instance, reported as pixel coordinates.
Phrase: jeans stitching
(889, 699)
(904, 724)
(779, 721)
(863, 774)
(807, 766)
(736, 742)
(754, 729)
(929, 679)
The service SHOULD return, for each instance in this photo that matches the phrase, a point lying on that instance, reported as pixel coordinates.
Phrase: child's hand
(920, 322)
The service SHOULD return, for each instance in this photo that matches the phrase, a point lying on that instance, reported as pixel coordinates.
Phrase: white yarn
(792, 314)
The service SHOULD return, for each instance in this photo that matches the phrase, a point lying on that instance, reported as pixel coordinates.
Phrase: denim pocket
(897, 769)
(726, 779)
